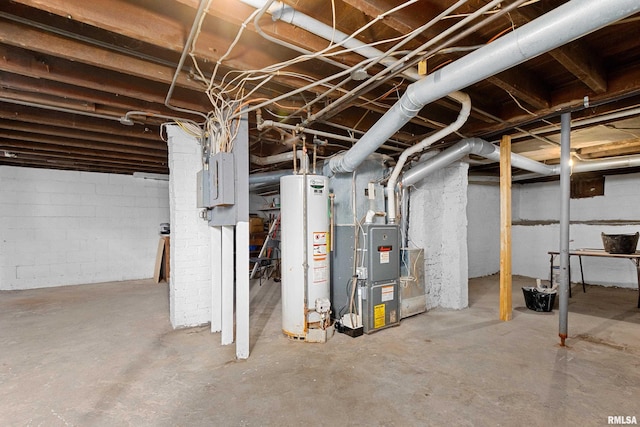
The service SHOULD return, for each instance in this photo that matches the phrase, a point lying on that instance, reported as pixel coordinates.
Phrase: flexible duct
(463, 99)
(553, 29)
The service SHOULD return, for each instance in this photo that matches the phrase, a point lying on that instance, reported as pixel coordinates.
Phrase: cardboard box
(256, 225)
(257, 238)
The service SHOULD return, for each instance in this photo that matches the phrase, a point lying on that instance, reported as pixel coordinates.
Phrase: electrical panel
(216, 185)
(222, 175)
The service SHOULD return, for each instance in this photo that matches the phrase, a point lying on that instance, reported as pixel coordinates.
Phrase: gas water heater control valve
(323, 305)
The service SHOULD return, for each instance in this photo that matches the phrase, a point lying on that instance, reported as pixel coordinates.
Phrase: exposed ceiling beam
(523, 85)
(54, 152)
(609, 149)
(76, 143)
(39, 66)
(622, 84)
(35, 116)
(576, 57)
(43, 161)
(81, 94)
(124, 18)
(19, 35)
(65, 132)
(402, 21)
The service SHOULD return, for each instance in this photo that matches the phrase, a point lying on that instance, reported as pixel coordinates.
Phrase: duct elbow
(337, 164)
(409, 104)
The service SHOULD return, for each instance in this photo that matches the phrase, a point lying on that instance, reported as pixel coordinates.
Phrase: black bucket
(538, 301)
(620, 243)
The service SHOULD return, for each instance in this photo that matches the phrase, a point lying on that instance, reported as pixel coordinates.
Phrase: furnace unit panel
(383, 253)
(380, 293)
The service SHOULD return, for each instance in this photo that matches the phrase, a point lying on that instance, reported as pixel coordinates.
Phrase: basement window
(583, 187)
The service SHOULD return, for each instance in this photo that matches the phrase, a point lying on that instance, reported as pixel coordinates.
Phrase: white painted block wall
(190, 284)
(69, 227)
(541, 203)
(438, 223)
(483, 232)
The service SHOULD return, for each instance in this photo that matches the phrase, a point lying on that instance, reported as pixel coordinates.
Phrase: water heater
(305, 257)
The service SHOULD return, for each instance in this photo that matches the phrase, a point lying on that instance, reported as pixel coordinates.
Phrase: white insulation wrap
(292, 205)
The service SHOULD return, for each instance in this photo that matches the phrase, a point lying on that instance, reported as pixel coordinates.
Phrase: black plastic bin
(538, 301)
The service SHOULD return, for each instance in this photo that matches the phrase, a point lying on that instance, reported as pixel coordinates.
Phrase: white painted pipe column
(565, 199)
(216, 278)
(242, 290)
(227, 284)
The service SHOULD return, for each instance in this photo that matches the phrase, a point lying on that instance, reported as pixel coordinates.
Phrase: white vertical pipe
(565, 198)
(216, 278)
(242, 290)
(463, 99)
(227, 284)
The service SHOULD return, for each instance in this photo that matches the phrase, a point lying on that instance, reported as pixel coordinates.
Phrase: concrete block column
(190, 284)
(438, 223)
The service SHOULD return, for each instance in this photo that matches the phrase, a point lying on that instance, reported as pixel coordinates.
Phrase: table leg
(637, 261)
(569, 268)
(582, 274)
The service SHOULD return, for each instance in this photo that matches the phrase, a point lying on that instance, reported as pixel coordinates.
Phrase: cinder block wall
(483, 231)
(438, 223)
(536, 229)
(68, 227)
(190, 285)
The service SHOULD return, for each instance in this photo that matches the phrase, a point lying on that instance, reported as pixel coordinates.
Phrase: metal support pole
(565, 198)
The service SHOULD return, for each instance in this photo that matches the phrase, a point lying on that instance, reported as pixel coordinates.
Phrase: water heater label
(320, 272)
(387, 293)
(378, 316)
(317, 185)
(320, 246)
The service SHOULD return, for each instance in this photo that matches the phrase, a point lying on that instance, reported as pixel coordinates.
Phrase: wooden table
(634, 258)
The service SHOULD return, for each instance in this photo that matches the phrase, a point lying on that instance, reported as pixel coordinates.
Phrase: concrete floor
(105, 355)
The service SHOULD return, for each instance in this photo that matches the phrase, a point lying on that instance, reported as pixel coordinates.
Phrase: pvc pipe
(464, 99)
(566, 23)
(565, 193)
